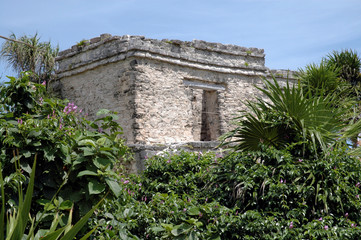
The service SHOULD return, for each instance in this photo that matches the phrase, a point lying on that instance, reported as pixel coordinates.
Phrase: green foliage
(320, 79)
(165, 201)
(290, 118)
(266, 194)
(348, 63)
(281, 187)
(82, 43)
(21, 95)
(29, 54)
(19, 218)
(69, 147)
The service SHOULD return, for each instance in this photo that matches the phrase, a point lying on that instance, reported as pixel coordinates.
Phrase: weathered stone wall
(110, 86)
(165, 91)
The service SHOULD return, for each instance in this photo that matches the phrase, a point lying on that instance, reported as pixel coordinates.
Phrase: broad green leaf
(192, 236)
(35, 133)
(114, 186)
(157, 229)
(168, 227)
(66, 205)
(193, 211)
(87, 151)
(26, 167)
(79, 159)
(87, 173)
(95, 187)
(49, 154)
(101, 141)
(103, 111)
(64, 149)
(36, 144)
(101, 162)
(181, 229)
(27, 154)
(85, 142)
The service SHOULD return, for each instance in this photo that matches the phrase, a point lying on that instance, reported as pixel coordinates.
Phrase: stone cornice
(196, 54)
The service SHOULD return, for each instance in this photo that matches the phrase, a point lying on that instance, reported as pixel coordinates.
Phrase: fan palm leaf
(288, 116)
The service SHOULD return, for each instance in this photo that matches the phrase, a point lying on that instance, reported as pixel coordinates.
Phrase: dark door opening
(210, 129)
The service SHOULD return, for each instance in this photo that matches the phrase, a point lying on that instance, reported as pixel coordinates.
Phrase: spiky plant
(349, 64)
(29, 54)
(290, 117)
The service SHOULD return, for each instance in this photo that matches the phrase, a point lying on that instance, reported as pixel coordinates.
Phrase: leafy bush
(266, 194)
(165, 200)
(17, 219)
(75, 154)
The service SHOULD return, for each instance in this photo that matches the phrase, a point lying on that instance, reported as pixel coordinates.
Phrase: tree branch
(14, 40)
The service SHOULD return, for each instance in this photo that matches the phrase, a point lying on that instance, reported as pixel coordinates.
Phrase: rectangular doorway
(210, 126)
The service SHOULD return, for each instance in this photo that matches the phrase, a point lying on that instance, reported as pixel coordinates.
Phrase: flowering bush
(72, 153)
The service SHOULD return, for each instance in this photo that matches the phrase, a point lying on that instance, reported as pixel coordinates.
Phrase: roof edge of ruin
(85, 45)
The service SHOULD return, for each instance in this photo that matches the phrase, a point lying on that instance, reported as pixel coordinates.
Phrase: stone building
(165, 91)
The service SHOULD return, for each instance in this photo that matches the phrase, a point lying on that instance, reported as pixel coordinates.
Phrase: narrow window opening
(210, 127)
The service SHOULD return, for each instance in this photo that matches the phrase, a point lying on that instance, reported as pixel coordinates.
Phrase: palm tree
(349, 64)
(308, 116)
(291, 117)
(29, 54)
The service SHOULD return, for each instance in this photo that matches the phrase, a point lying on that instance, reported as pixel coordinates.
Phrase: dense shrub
(265, 194)
(74, 154)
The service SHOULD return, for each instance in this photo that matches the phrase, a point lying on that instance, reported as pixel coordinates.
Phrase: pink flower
(320, 219)
(300, 160)
(184, 210)
(346, 215)
(358, 184)
(357, 196)
(126, 181)
(291, 225)
(43, 83)
(71, 107)
(281, 180)
(325, 227)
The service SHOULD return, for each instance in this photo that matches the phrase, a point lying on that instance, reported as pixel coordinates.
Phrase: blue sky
(293, 33)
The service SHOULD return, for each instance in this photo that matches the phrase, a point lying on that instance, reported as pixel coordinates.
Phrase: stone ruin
(166, 92)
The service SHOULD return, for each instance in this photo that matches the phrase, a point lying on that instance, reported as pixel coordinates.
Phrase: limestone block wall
(110, 86)
(165, 91)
